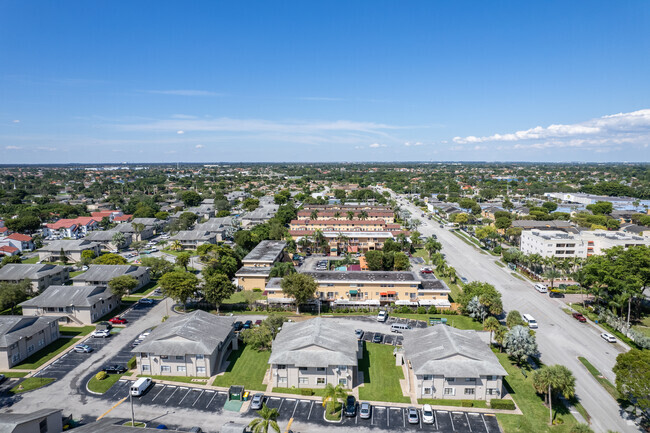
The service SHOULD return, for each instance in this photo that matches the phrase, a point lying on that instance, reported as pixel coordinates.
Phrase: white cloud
(612, 130)
(180, 132)
(376, 145)
(199, 146)
(13, 147)
(184, 92)
(413, 143)
(47, 149)
(16, 121)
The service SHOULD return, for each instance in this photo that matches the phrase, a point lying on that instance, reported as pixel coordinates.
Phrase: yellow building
(257, 264)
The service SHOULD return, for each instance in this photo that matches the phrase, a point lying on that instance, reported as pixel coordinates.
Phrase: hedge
(502, 404)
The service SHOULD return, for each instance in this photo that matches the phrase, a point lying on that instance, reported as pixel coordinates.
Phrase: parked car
(382, 316)
(238, 325)
(196, 430)
(413, 416)
(608, 337)
(579, 317)
(377, 338)
(248, 324)
(257, 401)
(118, 320)
(136, 342)
(541, 288)
(258, 322)
(104, 325)
(114, 369)
(365, 410)
(350, 406)
(157, 292)
(2, 378)
(426, 270)
(555, 293)
(145, 301)
(104, 333)
(82, 348)
(358, 333)
(427, 414)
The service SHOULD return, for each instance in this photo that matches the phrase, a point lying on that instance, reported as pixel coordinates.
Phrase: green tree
(218, 288)
(415, 238)
(461, 218)
(138, 246)
(183, 259)
(179, 285)
(191, 198)
(282, 269)
(176, 246)
(486, 294)
(28, 223)
(259, 338)
(555, 378)
(161, 215)
(119, 240)
(491, 324)
(513, 319)
(268, 419)
(503, 223)
(601, 208)
(110, 259)
(520, 344)
(250, 204)
(10, 259)
(432, 246)
(332, 395)
(500, 336)
(12, 294)
(300, 287)
(87, 256)
(374, 259)
(632, 371)
(157, 266)
(552, 275)
(122, 285)
(401, 262)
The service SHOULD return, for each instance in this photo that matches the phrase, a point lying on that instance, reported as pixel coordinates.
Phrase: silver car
(257, 402)
(365, 410)
(413, 416)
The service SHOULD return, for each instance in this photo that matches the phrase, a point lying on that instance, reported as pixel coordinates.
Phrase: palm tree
(554, 378)
(138, 228)
(332, 395)
(304, 242)
(451, 273)
(267, 419)
(319, 238)
(552, 275)
(363, 215)
(342, 239)
(176, 246)
(491, 324)
(314, 214)
(337, 215)
(403, 241)
(432, 246)
(350, 215)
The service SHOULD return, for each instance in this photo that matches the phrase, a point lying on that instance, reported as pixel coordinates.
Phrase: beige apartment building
(352, 242)
(387, 216)
(257, 264)
(41, 276)
(22, 336)
(194, 345)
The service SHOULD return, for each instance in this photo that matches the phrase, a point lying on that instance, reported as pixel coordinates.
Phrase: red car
(118, 321)
(426, 270)
(579, 317)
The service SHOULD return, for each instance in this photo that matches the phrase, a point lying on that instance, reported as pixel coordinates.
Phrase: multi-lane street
(561, 339)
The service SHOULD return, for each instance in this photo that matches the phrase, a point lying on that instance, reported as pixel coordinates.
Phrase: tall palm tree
(451, 273)
(491, 324)
(176, 246)
(342, 239)
(552, 275)
(304, 242)
(319, 239)
(350, 215)
(363, 215)
(314, 214)
(403, 241)
(267, 420)
(332, 395)
(432, 246)
(337, 215)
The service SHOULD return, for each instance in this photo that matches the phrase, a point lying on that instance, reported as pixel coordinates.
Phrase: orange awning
(383, 293)
(391, 293)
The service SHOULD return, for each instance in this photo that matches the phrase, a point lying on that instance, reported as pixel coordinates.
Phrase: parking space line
(451, 417)
(388, 417)
(197, 398)
(280, 407)
(487, 429)
(294, 410)
(215, 394)
(403, 418)
(468, 423)
(310, 408)
(174, 392)
(186, 394)
(435, 419)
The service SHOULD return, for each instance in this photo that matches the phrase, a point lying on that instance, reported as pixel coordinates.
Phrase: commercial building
(313, 353)
(22, 336)
(554, 243)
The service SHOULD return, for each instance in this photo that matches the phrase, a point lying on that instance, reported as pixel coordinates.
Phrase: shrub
(131, 364)
(101, 375)
(306, 391)
(498, 249)
(422, 310)
(257, 289)
(581, 428)
(433, 310)
(466, 403)
(502, 404)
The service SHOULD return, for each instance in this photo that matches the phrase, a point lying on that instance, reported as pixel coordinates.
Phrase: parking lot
(309, 411)
(66, 363)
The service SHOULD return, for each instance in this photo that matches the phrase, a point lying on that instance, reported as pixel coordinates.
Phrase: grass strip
(450, 402)
(609, 387)
(246, 367)
(182, 379)
(380, 375)
(101, 386)
(50, 351)
(30, 384)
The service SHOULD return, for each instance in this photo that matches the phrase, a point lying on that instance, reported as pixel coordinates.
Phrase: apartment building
(387, 216)
(100, 275)
(257, 264)
(560, 244)
(342, 241)
(71, 249)
(22, 336)
(41, 276)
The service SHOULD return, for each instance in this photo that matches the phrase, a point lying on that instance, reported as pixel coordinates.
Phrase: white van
(541, 288)
(530, 321)
(399, 327)
(382, 316)
(140, 386)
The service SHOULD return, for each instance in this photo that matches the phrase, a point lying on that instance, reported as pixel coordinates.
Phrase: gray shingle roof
(13, 328)
(9, 421)
(527, 224)
(443, 350)
(69, 245)
(108, 272)
(20, 271)
(192, 235)
(194, 333)
(266, 252)
(247, 271)
(315, 343)
(64, 296)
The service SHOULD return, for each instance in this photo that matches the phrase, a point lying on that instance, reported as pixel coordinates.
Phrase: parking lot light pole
(132, 413)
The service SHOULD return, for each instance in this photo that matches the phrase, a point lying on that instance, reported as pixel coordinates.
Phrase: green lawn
(75, 273)
(450, 402)
(609, 387)
(31, 261)
(380, 374)
(176, 253)
(247, 368)
(101, 386)
(535, 414)
(147, 288)
(320, 392)
(30, 384)
(238, 297)
(183, 379)
(76, 331)
(13, 373)
(460, 322)
(42, 356)
(124, 305)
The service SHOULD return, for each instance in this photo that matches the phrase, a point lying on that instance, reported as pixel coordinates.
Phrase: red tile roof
(65, 223)
(19, 237)
(8, 249)
(123, 218)
(103, 213)
(4, 229)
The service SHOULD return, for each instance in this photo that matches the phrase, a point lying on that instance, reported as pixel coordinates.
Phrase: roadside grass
(45, 354)
(454, 320)
(455, 288)
(609, 387)
(535, 413)
(121, 308)
(423, 254)
(643, 329)
(380, 375)
(498, 263)
(182, 379)
(238, 298)
(30, 384)
(75, 331)
(247, 368)
(147, 288)
(31, 261)
(131, 298)
(14, 373)
(101, 386)
(458, 403)
(320, 392)
(516, 275)
(594, 318)
(464, 239)
(136, 424)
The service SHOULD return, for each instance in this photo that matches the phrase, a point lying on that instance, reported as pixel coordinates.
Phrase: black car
(350, 406)
(377, 338)
(114, 369)
(248, 324)
(238, 325)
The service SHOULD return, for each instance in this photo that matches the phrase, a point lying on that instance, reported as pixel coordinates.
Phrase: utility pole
(132, 412)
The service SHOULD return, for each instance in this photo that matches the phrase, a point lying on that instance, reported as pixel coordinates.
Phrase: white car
(427, 414)
(608, 337)
(541, 288)
(104, 333)
(382, 316)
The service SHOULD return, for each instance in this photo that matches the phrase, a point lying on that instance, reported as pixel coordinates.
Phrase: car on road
(101, 333)
(426, 270)
(365, 410)
(377, 338)
(608, 337)
(413, 416)
(82, 348)
(579, 317)
(195, 430)
(358, 333)
(427, 414)
(464, 280)
(145, 301)
(248, 324)
(350, 406)
(541, 288)
(114, 369)
(441, 226)
(257, 401)
(117, 320)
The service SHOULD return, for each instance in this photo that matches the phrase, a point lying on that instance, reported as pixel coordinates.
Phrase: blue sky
(167, 81)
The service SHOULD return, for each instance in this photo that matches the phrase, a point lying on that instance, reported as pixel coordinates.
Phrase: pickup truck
(579, 317)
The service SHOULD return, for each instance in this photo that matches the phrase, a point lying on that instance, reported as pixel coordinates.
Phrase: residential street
(561, 339)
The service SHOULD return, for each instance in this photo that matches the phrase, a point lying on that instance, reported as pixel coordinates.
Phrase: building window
(469, 391)
(320, 381)
(343, 367)
(282, 380)
(145, 368)
(42, 426)
(303, 380)
(180, 358)
(427, 391)
(144, 355)
(199, 357)
(471, 379)
(30, 348)
(450, 391)
(163, 356)
(302, 368)
(343, 382)
(450, 379)
(180, 368)
(492, 391)
(165, 369)
(200, 370)
(427, 377)
(282, 367)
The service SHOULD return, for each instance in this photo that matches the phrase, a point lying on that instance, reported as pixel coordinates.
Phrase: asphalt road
(561, 339)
